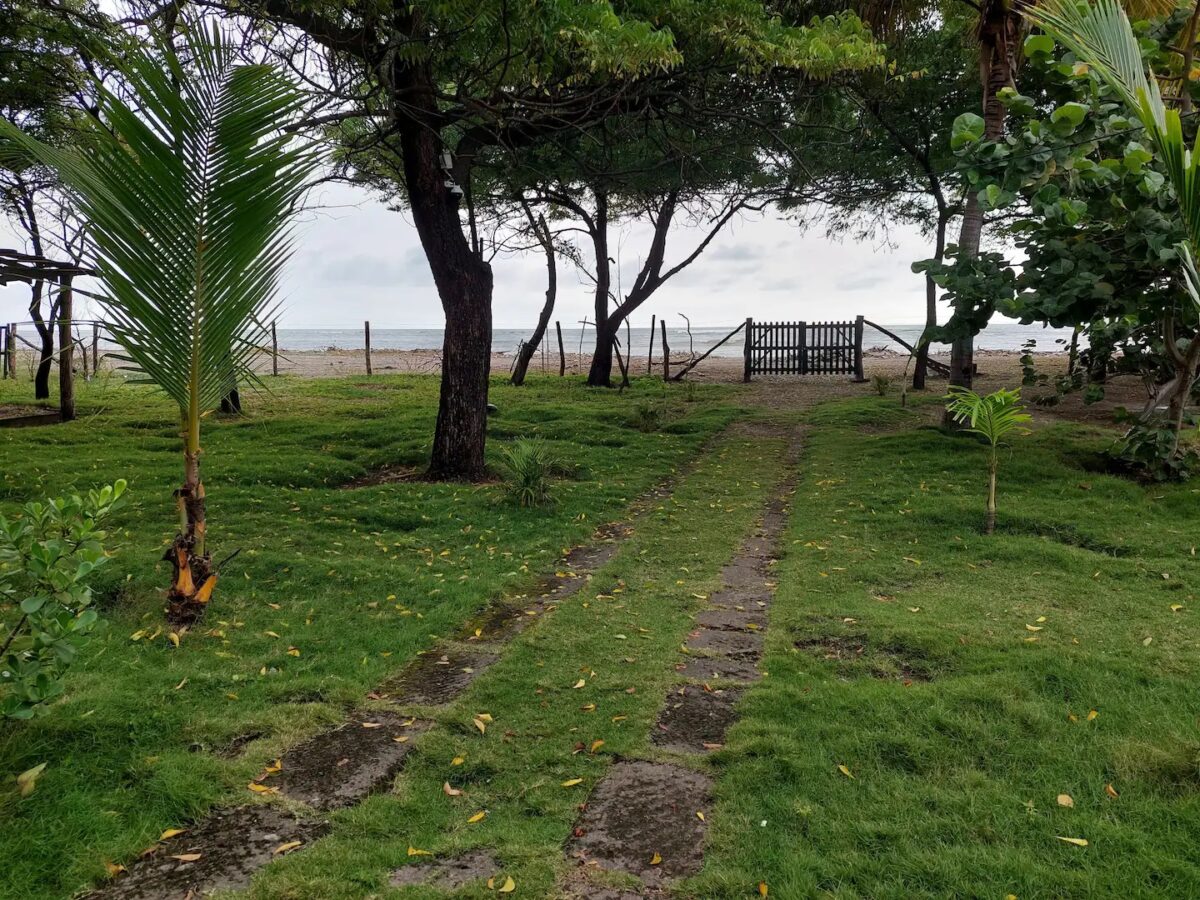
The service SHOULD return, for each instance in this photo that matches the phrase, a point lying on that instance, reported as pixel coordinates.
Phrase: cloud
(863, 282)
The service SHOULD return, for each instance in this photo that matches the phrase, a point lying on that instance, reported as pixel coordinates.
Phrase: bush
(882, 384)
(530, 465)
(647, 417)
(47, 554)
(1148, 450)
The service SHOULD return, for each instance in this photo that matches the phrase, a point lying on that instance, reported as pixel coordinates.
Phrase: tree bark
(931, 313)
(193, 577)
(1000, 29)
(45, 330)
(989, 523)
(66, 355)
(600, 372)
(546, 239)
(463, 280)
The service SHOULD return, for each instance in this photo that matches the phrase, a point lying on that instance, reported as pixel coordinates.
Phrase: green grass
(956, 775)
(358, 580)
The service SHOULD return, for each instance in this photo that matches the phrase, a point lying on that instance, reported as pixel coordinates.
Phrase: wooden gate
(804, 348)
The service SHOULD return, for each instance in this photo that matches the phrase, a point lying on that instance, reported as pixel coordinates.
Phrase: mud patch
(232, 845)
(448, 874)
(843, 647)
(734, 644)
(497, 623)
(855, 656)
(718, 668)
(340, 767)
(437, 677)
(695, 720)
(732, 619)
(641, 809)
(745, 574)
(740, 599)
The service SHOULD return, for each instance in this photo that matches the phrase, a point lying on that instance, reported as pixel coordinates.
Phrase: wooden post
(95, 349)
(66, 352)
(749, 348)
(666, 352)
(274, 350)
(4, 352)
(10, 356)
(562, 354)
(858, 353)
(650, 353)
(367, 338)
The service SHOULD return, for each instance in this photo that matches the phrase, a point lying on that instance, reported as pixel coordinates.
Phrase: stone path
(644, 825)
(341, 767)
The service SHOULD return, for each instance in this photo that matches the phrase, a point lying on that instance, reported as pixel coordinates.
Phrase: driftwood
(940, 368)
(678, 376)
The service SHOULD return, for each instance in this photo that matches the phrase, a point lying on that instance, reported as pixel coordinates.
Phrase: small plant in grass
(882, 384)
(530, 465)
(48, 553)
(995, 417)
(646, 417)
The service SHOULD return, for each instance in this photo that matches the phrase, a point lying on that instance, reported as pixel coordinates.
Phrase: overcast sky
(357, 260)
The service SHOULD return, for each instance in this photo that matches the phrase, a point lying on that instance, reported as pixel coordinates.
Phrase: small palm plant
(187, 189)
(530, 464)
(995, 417)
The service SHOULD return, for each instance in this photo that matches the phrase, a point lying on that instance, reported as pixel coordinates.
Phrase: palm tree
(1101, 36)
(994, 417)
(187, 189)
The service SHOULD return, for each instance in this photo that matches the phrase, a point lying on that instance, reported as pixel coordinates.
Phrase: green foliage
(530, 464)
(993, 416)
(882, 384)
(1151, 450)
(48, 553)
(647, 416)
(187, 188)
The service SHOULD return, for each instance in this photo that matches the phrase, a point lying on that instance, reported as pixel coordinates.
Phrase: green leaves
(47, 554)
(994, 416)
(968, 128)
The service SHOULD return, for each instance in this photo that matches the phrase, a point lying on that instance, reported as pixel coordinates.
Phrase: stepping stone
(745, 573)
(438, 676)
(741, 598)
(718, 668)
(448, 874)
(737, 644)
(695, 720)
(340, 767)
(498, 624)
(641, 809)
(732, 619)
(232, 844)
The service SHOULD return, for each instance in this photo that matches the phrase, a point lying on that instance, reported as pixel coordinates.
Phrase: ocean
(998, 336)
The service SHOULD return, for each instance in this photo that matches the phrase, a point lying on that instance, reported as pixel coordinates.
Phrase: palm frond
(188, 194)
(994, 416)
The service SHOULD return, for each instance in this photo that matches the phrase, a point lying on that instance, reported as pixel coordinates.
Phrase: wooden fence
(804, 348)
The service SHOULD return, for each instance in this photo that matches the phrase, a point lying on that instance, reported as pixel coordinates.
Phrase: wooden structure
(804, 348)
(17, 266)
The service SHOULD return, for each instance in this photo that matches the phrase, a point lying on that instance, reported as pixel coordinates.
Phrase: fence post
(858, 353)
(666, 352)
(95, 349)
(367, 338)
(274, 350)
(749, 344)
(650, 353)
(10, 356)
(66, 352)
(562, 354)
(4, 352)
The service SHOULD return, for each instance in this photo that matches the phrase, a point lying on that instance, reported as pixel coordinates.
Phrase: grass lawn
(986, 696)
(358, 581)
(966, 682)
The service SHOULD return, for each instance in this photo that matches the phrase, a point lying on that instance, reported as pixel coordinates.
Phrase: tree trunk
(45, 330)
(989, 523)
(193, 578)
(1185, 378)
(600, 372)
(66, 355)
(232, 401)
(1000, 30)
(931, 312)
(463, 280)
(539, 332)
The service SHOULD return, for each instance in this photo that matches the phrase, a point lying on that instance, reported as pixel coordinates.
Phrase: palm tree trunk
(989, 524)
(193, 579)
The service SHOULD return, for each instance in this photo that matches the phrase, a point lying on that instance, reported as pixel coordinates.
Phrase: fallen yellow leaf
(478, 817)
(170, 833)
(845, 771)
(508, 887)
(700, 815)
(1111, 791)
(458, 761)
(173, 637)
(262, 788)
(293, 651)
(450, 791)
(655, 860)
(1033, 627)
(571, 782)
(1066, 800)
(114, 869)
(413, 851)
(27, 780)
(400, 739)
(186, 857)
(1078, 842)
(596, 745)
(286, 848)
(762, 888)
(580, 683)
(1092, 714)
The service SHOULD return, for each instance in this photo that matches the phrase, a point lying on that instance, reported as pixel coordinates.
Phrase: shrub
(1148, 450)
(47, 554)
(530, 465)
(646, 417)
(882, 384)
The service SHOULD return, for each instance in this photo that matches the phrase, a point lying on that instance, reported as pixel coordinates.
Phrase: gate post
(858, 350)
(803, 348)
(749, 344)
